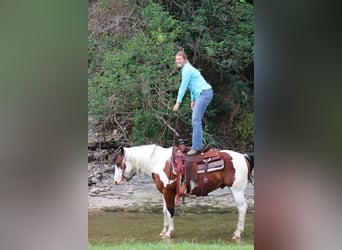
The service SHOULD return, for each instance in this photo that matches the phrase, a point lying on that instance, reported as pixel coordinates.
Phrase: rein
(179, 159)
(127, 178)
(174, 133)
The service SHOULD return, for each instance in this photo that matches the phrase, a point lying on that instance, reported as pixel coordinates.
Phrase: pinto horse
(156, 161)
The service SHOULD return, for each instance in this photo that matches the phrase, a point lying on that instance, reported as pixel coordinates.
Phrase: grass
(171, 246)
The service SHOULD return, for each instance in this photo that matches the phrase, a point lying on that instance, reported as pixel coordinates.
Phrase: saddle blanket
(212, 166)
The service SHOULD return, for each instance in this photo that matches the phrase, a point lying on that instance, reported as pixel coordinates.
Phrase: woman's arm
(186, 76)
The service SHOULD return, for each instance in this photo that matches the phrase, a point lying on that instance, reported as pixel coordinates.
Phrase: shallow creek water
(111, 228)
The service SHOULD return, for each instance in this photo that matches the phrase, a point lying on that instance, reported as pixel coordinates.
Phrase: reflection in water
(112, 228)
(167, 240)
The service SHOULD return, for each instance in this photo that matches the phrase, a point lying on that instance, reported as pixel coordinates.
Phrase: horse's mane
(145, 157)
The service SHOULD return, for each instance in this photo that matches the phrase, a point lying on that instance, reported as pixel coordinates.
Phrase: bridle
(122, 164)
(123, 173)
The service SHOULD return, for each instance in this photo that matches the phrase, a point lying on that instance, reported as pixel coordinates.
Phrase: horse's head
(122, 168)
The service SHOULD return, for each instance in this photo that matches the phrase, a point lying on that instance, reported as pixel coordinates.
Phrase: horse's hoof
(165, 235)
(236, 237)
(162, 234)
(168, 235)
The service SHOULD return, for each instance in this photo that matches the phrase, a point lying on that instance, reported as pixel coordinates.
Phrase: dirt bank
(140, 194)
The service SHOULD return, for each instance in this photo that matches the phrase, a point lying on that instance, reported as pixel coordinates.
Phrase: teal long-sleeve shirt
(192, 79)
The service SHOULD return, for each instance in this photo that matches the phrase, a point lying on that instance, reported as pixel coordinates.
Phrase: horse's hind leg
(240, 200)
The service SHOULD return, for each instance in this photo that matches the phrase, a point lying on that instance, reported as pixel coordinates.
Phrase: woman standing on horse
(201, 95)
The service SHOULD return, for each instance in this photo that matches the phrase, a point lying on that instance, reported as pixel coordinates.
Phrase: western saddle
(189, 168)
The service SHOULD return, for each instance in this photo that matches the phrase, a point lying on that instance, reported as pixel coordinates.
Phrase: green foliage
(209, 137)
(219, 33)
(97, 102)
(139, 77)
(241, 91)
(98, 93)
(245, 130)
(133, 77)
(145, 127)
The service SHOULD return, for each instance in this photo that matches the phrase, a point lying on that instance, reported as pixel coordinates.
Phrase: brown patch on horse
(169, 192)
(169, 196)
(168, 171)
(229, 170)
(158, 182)
(215, 180)
(171, 187)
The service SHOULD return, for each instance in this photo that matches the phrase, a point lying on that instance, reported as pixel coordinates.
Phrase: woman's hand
(192, 105)
(176, 107)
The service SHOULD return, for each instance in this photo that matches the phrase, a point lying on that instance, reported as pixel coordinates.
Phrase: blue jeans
(200, 107)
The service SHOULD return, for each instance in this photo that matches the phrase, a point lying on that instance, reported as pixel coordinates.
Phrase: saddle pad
(212, 166)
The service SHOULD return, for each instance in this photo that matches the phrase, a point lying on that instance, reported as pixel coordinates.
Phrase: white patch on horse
(146, 159)
(117, 174)
(163, 176)
(238, 189)
(241, 169)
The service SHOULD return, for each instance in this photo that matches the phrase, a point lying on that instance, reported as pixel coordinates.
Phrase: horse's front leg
(166, 220)
(169, 200)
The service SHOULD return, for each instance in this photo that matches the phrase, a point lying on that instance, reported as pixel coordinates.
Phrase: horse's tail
(250, 159)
